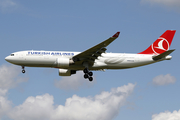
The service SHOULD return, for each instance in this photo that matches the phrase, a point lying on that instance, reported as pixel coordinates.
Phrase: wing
(91, 54)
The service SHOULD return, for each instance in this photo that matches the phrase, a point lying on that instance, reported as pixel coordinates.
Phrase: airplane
(95, 58)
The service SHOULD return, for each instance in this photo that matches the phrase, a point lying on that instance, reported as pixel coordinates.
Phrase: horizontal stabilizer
(163, 55)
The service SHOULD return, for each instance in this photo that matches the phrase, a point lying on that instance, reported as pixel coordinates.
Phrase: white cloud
(8, 5)
(164, 80)
(5, 106)
(170, 3)
(9, 78)
(34, 108)
(175, 115)
(73, 82)
(104, 106)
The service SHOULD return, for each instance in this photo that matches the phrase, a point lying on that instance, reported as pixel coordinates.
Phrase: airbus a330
(95, 58)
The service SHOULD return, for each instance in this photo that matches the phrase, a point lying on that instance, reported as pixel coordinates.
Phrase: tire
(90, 73)
(85, 70)
(86, 76)
(90, 78)
(23, 71)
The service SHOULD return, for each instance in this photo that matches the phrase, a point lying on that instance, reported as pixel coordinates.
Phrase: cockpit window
(12, 54)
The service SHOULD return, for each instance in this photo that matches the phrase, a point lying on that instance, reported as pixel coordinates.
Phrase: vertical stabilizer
(162, 44)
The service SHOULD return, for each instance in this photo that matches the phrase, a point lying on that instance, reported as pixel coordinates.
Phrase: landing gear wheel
(90, 78)
(90, 73)
(86, 76)
(85, 70)
(23, 71)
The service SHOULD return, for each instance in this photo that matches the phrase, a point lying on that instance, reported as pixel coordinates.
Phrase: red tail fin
(162, 44)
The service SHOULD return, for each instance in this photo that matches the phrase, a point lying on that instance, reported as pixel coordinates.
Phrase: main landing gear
(88, 74)
(23, 71)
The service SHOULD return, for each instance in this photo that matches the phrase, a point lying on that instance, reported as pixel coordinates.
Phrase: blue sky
(145, 93)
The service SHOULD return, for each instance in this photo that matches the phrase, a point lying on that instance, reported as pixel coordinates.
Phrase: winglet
(116, 35)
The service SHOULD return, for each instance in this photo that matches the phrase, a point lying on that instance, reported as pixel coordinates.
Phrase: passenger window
(12, 54)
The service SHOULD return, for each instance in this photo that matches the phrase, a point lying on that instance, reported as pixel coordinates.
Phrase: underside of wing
(91, 54)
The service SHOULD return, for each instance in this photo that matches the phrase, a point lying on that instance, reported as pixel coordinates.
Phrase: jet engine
(64, 62)
(66, 72)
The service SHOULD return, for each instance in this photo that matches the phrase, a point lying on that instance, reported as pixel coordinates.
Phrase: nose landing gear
(23, 71)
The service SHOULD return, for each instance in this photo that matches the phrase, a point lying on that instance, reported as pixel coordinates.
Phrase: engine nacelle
(64, 62)
(66, 72)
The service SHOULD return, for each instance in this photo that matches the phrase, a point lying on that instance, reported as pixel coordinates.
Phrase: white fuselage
(105, 61)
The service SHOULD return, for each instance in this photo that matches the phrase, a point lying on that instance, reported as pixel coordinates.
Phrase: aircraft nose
(7, 58)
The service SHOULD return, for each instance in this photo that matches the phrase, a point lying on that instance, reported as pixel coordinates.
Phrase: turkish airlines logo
(160, 45)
